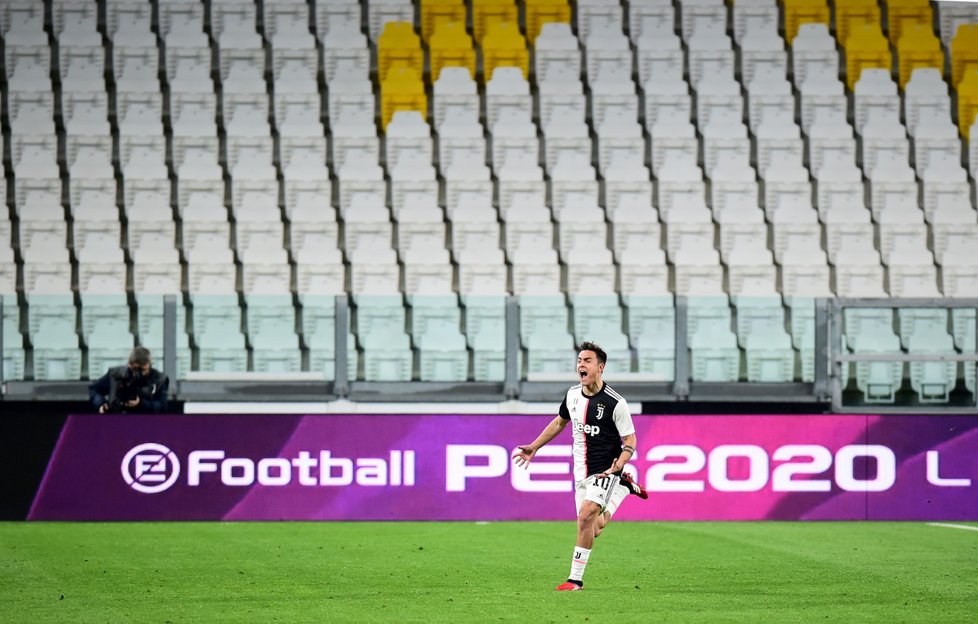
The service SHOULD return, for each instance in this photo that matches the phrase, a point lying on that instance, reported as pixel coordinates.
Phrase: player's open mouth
(582, 373)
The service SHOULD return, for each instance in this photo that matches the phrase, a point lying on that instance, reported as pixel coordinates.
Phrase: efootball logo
(150, 468)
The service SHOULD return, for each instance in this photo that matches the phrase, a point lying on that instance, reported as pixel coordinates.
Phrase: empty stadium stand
(386, 186)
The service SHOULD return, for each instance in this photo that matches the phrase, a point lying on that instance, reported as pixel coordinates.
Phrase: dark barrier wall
(27, 439)
(452, 467)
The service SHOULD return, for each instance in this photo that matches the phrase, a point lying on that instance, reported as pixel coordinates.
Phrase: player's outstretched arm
(524, 454)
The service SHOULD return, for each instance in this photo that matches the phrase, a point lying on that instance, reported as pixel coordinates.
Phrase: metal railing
(839, 357)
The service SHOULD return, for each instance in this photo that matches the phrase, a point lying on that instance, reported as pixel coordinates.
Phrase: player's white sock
(578, 563)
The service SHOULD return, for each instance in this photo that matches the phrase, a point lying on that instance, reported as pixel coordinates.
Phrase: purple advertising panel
(455, 467)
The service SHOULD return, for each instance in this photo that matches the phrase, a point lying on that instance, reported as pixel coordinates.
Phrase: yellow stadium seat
(504, 45)
(967, 101)
(798, 12)
(848, 13)
(398, 43)
(903, 13)
(451, 45)
(918, 47)
(485, 12)
(402, 89)
(964, 51)
(434, 12)
(539, 12)
(866, 47)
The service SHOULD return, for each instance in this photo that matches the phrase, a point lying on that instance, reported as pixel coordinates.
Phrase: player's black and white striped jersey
(598, 423)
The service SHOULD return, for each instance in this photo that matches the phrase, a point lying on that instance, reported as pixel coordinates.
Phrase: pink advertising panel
(458, 467)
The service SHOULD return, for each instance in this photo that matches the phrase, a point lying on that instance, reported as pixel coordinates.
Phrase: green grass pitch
(496, 572)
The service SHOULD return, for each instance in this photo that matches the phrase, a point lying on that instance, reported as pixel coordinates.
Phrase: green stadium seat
(640, 308)
(13, 349)
(550, 350)
(757, 314)
(442, 352)
(599, 319)
(485, 332)
(608, 335)
(109, 345)
(313, 308)
(210, 310)
(387, 354)
(480, 309)
(543, 333)
(859, 320)
(441, 310)
(912, 320)
(706, 309)
(541, 311)
(878, 381)
(488, 345)
(802, 318)
(221, 346)
(962, 322)
(615, 345)
(42, 307)
(651, 323)
(96, 309)
(322, 351)
(318, 322)
(932, 381)
(380, 322)
(262, 308)
(770, 357)
(221, 349)
(655, 345)
(11, 309)
(714, 353)
(802, 322)
(590, 311)
(56, 352)
(381, 312)
(275, 345)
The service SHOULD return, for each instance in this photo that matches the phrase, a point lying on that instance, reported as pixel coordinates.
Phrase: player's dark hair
(587, 345)
(139, 356)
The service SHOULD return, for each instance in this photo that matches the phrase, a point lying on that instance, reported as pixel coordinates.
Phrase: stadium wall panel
(458, 467)
(28, 434)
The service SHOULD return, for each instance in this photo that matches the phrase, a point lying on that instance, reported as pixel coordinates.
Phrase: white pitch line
(953, 526)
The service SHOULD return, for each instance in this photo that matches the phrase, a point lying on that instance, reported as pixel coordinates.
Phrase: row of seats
(127, 21)
(109, 328)
(918, 331)
(189, 148)
(444, 338)
(394, 232)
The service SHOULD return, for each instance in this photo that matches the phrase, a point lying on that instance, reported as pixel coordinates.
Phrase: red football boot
(570, 586)
(633, 486)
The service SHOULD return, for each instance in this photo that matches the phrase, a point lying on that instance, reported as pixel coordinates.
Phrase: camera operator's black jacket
(151, 389)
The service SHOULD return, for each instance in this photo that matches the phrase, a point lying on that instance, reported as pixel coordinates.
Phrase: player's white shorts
(608, 492)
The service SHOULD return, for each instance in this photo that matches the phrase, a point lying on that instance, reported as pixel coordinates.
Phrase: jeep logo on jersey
(591, 430)
(600, 410)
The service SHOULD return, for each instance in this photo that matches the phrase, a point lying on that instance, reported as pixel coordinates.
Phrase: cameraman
(136, 387)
